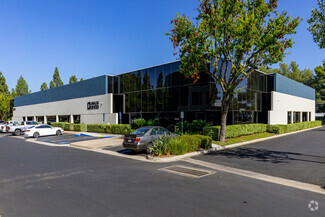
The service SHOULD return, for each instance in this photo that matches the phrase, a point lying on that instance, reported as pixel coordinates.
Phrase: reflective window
(304, 116)
(138, 82)
(183, 96)
(167, 74)
(152, 101)
(160, 100)
(145, 101)
(289, 118)
(160, 77)
(196, 98)
(132, 81)
(154, 131)
(110, 85)
(153, 79)
(145, 80)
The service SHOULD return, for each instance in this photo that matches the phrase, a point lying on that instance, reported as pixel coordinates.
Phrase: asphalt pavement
(38, 180)
(299, 157)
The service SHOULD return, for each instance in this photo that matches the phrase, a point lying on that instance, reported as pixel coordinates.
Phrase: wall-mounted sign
(92, 105)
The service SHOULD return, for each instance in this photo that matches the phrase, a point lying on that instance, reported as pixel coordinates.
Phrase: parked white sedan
(43, 130)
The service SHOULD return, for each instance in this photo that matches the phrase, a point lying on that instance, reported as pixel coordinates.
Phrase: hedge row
(247, 129)
(181, 145)
(279, 129)
(95, 128)
(235, 130)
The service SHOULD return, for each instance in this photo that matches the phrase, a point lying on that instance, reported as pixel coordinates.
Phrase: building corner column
(45, 120)
(71, 119)
(56, 118)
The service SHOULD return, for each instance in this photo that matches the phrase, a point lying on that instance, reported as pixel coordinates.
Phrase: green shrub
(68, 127)
(183, 144)
(206, 141)
(236, 130)
(180, 145)
(186, 126)
(160, 146)
(118, 128)
(59, 124)
(176, 147)
(279, 129)
(152, 122)
(79, 127)
(140, 122)
(198, 125)
(96, 128)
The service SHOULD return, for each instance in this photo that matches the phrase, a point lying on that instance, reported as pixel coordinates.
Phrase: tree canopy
(292, 71)
(44, 86)
(73, 79)
(235, 36)
(3, 85)
(56, 82)
(318, 83)
(4, 99)
(21, 87)
(317, 24)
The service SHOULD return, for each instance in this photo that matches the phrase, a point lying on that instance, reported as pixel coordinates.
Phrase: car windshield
(140, 131)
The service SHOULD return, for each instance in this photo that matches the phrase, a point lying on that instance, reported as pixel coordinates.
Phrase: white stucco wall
(282, 103)
(72, 107)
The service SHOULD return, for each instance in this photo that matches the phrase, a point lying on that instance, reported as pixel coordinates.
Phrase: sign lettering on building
(93, 105)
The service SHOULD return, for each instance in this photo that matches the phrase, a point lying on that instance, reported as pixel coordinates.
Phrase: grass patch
(244, 138)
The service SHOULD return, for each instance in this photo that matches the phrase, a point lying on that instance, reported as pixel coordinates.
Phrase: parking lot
(59, 140)
(299, 157)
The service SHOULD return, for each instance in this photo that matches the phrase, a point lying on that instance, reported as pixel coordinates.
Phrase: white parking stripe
(259, 176)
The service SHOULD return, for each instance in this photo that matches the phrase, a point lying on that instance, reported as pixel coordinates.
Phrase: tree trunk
(224, 113)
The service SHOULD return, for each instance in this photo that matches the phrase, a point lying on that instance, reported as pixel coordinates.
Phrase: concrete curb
(196, 153)
(180, 157)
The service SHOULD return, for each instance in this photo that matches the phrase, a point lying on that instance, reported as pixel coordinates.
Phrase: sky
(89, 38)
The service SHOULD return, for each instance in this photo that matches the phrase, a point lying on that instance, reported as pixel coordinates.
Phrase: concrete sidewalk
(98, 143)
(94, 134)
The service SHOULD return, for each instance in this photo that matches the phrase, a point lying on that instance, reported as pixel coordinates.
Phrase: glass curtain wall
(163, 92)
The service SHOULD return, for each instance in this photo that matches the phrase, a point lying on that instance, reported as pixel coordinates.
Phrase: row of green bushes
(96, 128)
(237, 130)
(180, 145)
(279, 129)
(194, 126)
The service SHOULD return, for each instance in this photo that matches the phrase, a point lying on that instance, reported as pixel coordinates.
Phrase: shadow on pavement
(265, 155)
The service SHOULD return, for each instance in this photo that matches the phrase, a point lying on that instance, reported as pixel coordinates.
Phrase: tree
(73, 79)
(44, 86)
(4, 106)
(3, 85)
(52, 85)
(318, 83)
(81, 79)
(236, 37)
(21, 88)
(57, 82)
(292, 71)
(4, 99)
(317, 24)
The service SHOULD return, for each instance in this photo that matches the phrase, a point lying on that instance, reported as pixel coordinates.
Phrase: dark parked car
(141, 139)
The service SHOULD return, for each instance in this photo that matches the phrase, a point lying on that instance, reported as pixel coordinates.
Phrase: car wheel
(58, 132)
(149, 149)
(17, 132)
(36, 135)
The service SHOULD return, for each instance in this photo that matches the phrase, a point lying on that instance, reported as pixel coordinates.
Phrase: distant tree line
(21, 88)
(57, 81)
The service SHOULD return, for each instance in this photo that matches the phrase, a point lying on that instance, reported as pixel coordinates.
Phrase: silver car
(141, 139)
